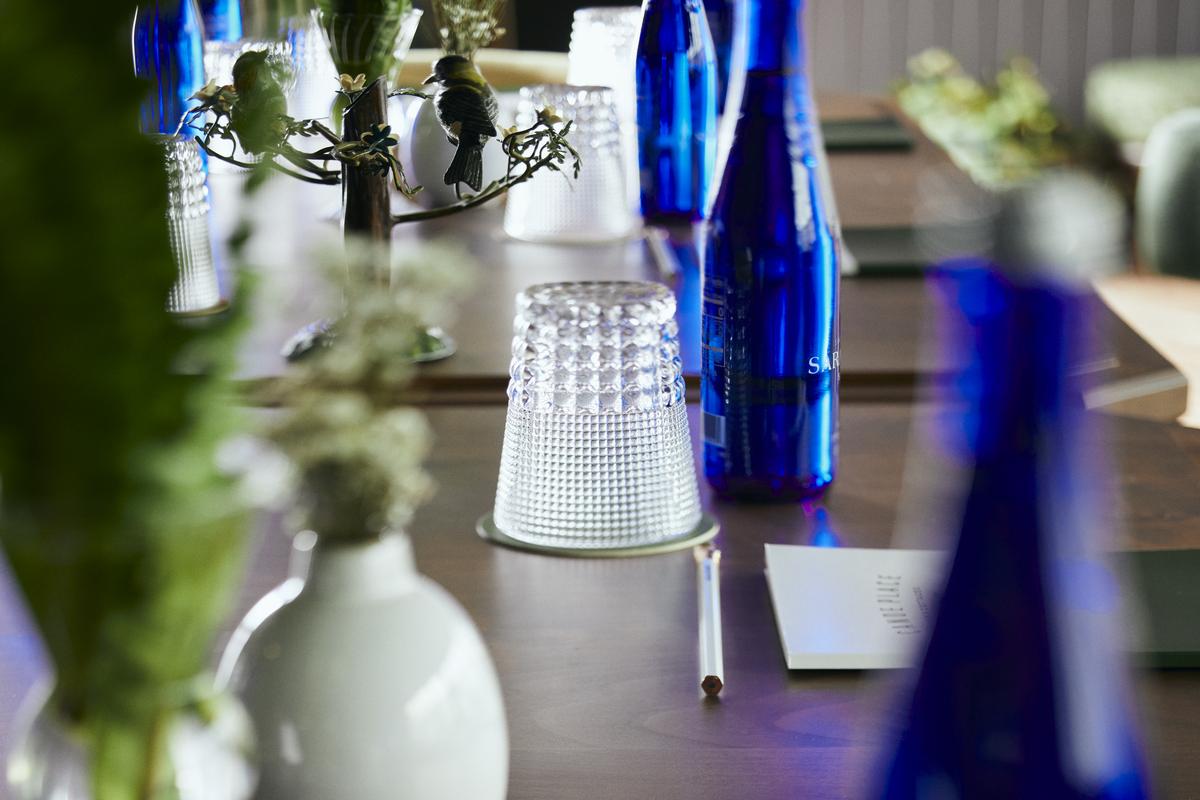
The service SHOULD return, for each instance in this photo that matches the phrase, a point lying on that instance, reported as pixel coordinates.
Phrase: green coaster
(704, 531)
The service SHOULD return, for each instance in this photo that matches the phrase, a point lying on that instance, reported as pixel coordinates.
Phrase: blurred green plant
(1000, 134)
(121, 532)
(356, 454)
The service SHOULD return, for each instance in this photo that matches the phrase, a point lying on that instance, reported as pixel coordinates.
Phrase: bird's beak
(431, 79)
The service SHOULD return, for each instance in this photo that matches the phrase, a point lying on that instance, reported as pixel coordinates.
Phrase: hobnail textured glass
(603, 48)
(196, 289)
(557, 206)
(597, 452)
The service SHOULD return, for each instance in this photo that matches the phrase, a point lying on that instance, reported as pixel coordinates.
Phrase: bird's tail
(467, 166)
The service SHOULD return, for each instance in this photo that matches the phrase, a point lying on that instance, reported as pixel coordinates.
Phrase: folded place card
(851, 608)
(854, 608)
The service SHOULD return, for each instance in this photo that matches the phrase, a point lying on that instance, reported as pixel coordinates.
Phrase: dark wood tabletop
(883, 198)
(887, 347)
(598, 657)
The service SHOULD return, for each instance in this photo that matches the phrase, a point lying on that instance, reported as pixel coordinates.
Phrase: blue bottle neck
(670, 7)
(770, 73)
(774, 36)
(222, 20)
(671, 26)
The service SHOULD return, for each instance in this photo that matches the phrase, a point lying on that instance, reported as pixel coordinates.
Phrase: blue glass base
(769, 489)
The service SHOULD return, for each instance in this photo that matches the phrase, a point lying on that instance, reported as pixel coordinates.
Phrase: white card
(852, 608)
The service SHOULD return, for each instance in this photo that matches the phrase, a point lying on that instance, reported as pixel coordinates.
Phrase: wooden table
(884, 203)
(598, 658)
(887, 347)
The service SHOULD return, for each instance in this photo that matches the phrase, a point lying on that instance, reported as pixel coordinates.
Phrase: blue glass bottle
(720, 24)
(1021, 691)
(222, 20)
(168, 52)
(676, 110)
(770, 318)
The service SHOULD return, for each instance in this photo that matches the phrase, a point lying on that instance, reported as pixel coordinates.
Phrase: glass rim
(606, 13)
(568, 98)
(617, 293)
(407, 14)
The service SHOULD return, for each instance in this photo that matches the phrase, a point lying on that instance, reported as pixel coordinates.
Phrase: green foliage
(1000, 134)
(357, 455)
(122, 535)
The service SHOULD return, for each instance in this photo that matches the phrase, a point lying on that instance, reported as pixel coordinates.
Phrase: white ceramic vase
(369, 681)
(426, 153)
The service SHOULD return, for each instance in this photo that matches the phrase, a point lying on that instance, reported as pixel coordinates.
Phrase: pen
(712, 658)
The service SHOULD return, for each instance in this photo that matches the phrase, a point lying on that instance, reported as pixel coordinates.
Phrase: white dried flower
(352, 84)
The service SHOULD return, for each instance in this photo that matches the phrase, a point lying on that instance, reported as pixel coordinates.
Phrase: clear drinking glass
(597, 453)
(196, 290)
(558, 207)
(603, 49)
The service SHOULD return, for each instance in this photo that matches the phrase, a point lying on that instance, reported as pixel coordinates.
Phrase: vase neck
(357, 570)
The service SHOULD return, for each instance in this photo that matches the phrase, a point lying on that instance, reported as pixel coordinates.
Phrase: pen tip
(711, 685)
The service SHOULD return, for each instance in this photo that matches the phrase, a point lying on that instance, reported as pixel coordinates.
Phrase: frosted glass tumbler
(558, 207)
(597, 452)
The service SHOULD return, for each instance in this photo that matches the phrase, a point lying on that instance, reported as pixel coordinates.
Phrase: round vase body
(369, 681)
(209, 757)
(47, 761)
(426, 153)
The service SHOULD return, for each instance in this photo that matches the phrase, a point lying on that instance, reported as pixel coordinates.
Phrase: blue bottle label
(713, 354)
(770, 367)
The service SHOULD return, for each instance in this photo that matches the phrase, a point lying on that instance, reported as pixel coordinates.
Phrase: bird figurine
(466, 108)
(258, 116)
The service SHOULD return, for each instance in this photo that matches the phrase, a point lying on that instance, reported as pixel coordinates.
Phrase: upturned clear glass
(555, 206)
(603, 46)
(597, 452)
(197, 288)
